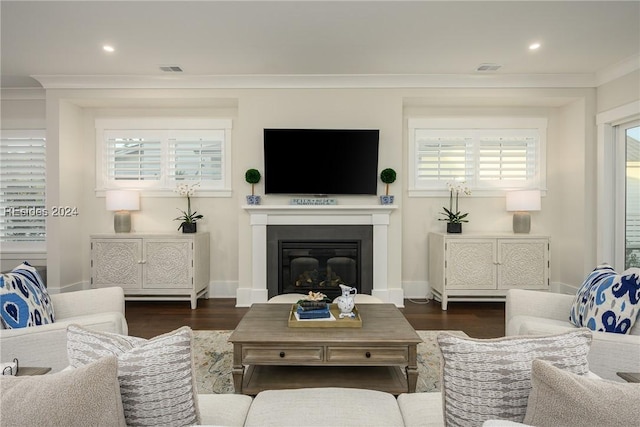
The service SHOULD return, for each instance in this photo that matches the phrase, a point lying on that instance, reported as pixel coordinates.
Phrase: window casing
(490, 154)
(627, 191)
(22, 190)
(156, 155)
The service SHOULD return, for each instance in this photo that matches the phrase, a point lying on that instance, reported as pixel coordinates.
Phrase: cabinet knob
(282, 354)
(367, 354)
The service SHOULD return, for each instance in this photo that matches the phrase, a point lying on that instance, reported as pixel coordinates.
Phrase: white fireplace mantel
(263, 215)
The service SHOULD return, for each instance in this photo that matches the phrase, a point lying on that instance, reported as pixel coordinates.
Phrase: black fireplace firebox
(303, 258)
(318, 267)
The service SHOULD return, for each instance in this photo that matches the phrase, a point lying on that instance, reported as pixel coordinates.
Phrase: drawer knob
(368, 354)
(282, 354)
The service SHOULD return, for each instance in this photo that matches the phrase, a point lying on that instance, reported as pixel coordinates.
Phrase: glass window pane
(632, 214)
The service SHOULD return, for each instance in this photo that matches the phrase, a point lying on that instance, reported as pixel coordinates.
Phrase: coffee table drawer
(368, 355)
(276, 355)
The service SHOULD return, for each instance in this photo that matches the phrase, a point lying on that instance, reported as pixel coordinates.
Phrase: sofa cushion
(607, 301)
(87, 396)
(491, 378)
(421, 409)
(532, 325)
(229, 410)
(327, 406)
(561, 398)
(156, 376)
(24, 300)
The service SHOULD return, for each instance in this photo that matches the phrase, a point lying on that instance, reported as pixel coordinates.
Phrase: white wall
(566, 213)
(619, 92)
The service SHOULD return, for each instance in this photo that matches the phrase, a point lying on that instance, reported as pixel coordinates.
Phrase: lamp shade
(122, 200)
(526, 200)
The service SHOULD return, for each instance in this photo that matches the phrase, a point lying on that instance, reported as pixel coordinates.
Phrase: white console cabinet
(152, 266)
(482, 267)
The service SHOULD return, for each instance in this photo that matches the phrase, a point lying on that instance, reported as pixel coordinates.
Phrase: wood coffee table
(269, 355)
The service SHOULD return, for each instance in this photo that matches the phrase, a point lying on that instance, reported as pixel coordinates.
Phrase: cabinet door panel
(117, 263)
(470, 264)
(168, 264)
(523, 264)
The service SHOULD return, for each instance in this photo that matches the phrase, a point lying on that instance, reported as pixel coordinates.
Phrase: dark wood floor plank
(150, 318)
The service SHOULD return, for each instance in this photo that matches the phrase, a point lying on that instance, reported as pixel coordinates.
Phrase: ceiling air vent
(171, 68)
(488, 67)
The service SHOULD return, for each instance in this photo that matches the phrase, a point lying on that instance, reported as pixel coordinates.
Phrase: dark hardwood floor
(148, 319)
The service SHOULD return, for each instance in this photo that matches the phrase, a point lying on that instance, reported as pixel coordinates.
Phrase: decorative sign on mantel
(313, 201)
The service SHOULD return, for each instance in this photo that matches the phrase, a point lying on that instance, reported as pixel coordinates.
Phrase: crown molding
(310, 81)
(618, 70)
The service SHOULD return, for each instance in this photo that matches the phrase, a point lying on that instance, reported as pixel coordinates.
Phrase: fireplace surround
(263, 216)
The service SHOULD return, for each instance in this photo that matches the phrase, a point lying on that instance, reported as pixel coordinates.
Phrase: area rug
(213, 356)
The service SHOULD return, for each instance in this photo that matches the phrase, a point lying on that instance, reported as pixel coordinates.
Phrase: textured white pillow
(87, 396)
(156, 376)
(491, 379)
(560, 398)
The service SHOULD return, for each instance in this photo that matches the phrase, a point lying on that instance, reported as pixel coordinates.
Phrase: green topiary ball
(252, 176)
(388, 176)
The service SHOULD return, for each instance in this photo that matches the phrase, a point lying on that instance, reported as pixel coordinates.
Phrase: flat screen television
(321, 161)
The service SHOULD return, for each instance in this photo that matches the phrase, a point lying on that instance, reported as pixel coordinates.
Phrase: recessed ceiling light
(534, 46)
(108, 48)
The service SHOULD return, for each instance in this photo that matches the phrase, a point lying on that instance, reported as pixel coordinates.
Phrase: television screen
(321, 161)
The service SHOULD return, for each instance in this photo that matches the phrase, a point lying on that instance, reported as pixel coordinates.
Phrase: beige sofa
(330, 406)
(544, 313)
(46, 345)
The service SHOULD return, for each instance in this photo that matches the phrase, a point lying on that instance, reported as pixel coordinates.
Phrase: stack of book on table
(313, 310)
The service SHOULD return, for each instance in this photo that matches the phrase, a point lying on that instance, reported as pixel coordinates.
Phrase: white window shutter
(196, 156)
(156, 154)
(507, 161)
(22, 186)
(443, 158)
(490, 154)
(132, 158)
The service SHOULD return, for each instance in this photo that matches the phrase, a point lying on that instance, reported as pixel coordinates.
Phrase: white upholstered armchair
(541, 313)
(46, 345)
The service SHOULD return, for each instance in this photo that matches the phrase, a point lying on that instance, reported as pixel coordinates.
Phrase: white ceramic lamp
(521, 203)
(122, 202)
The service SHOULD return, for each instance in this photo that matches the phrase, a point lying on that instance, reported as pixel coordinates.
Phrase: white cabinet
(152, 266)
(468, 267)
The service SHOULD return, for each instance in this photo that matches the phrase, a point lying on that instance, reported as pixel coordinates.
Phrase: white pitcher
(346, 301)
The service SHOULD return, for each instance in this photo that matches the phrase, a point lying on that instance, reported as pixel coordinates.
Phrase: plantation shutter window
(510, 159)
(488, 159)
(443, 158)
(22, 186)
(155, 155)
(133, 158)
(194, 155)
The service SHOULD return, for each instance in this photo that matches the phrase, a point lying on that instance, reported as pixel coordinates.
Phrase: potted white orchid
(453, 216)
(188, 218)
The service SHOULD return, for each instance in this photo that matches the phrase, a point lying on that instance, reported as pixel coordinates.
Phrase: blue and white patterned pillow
(24, 300)
(608, 301)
